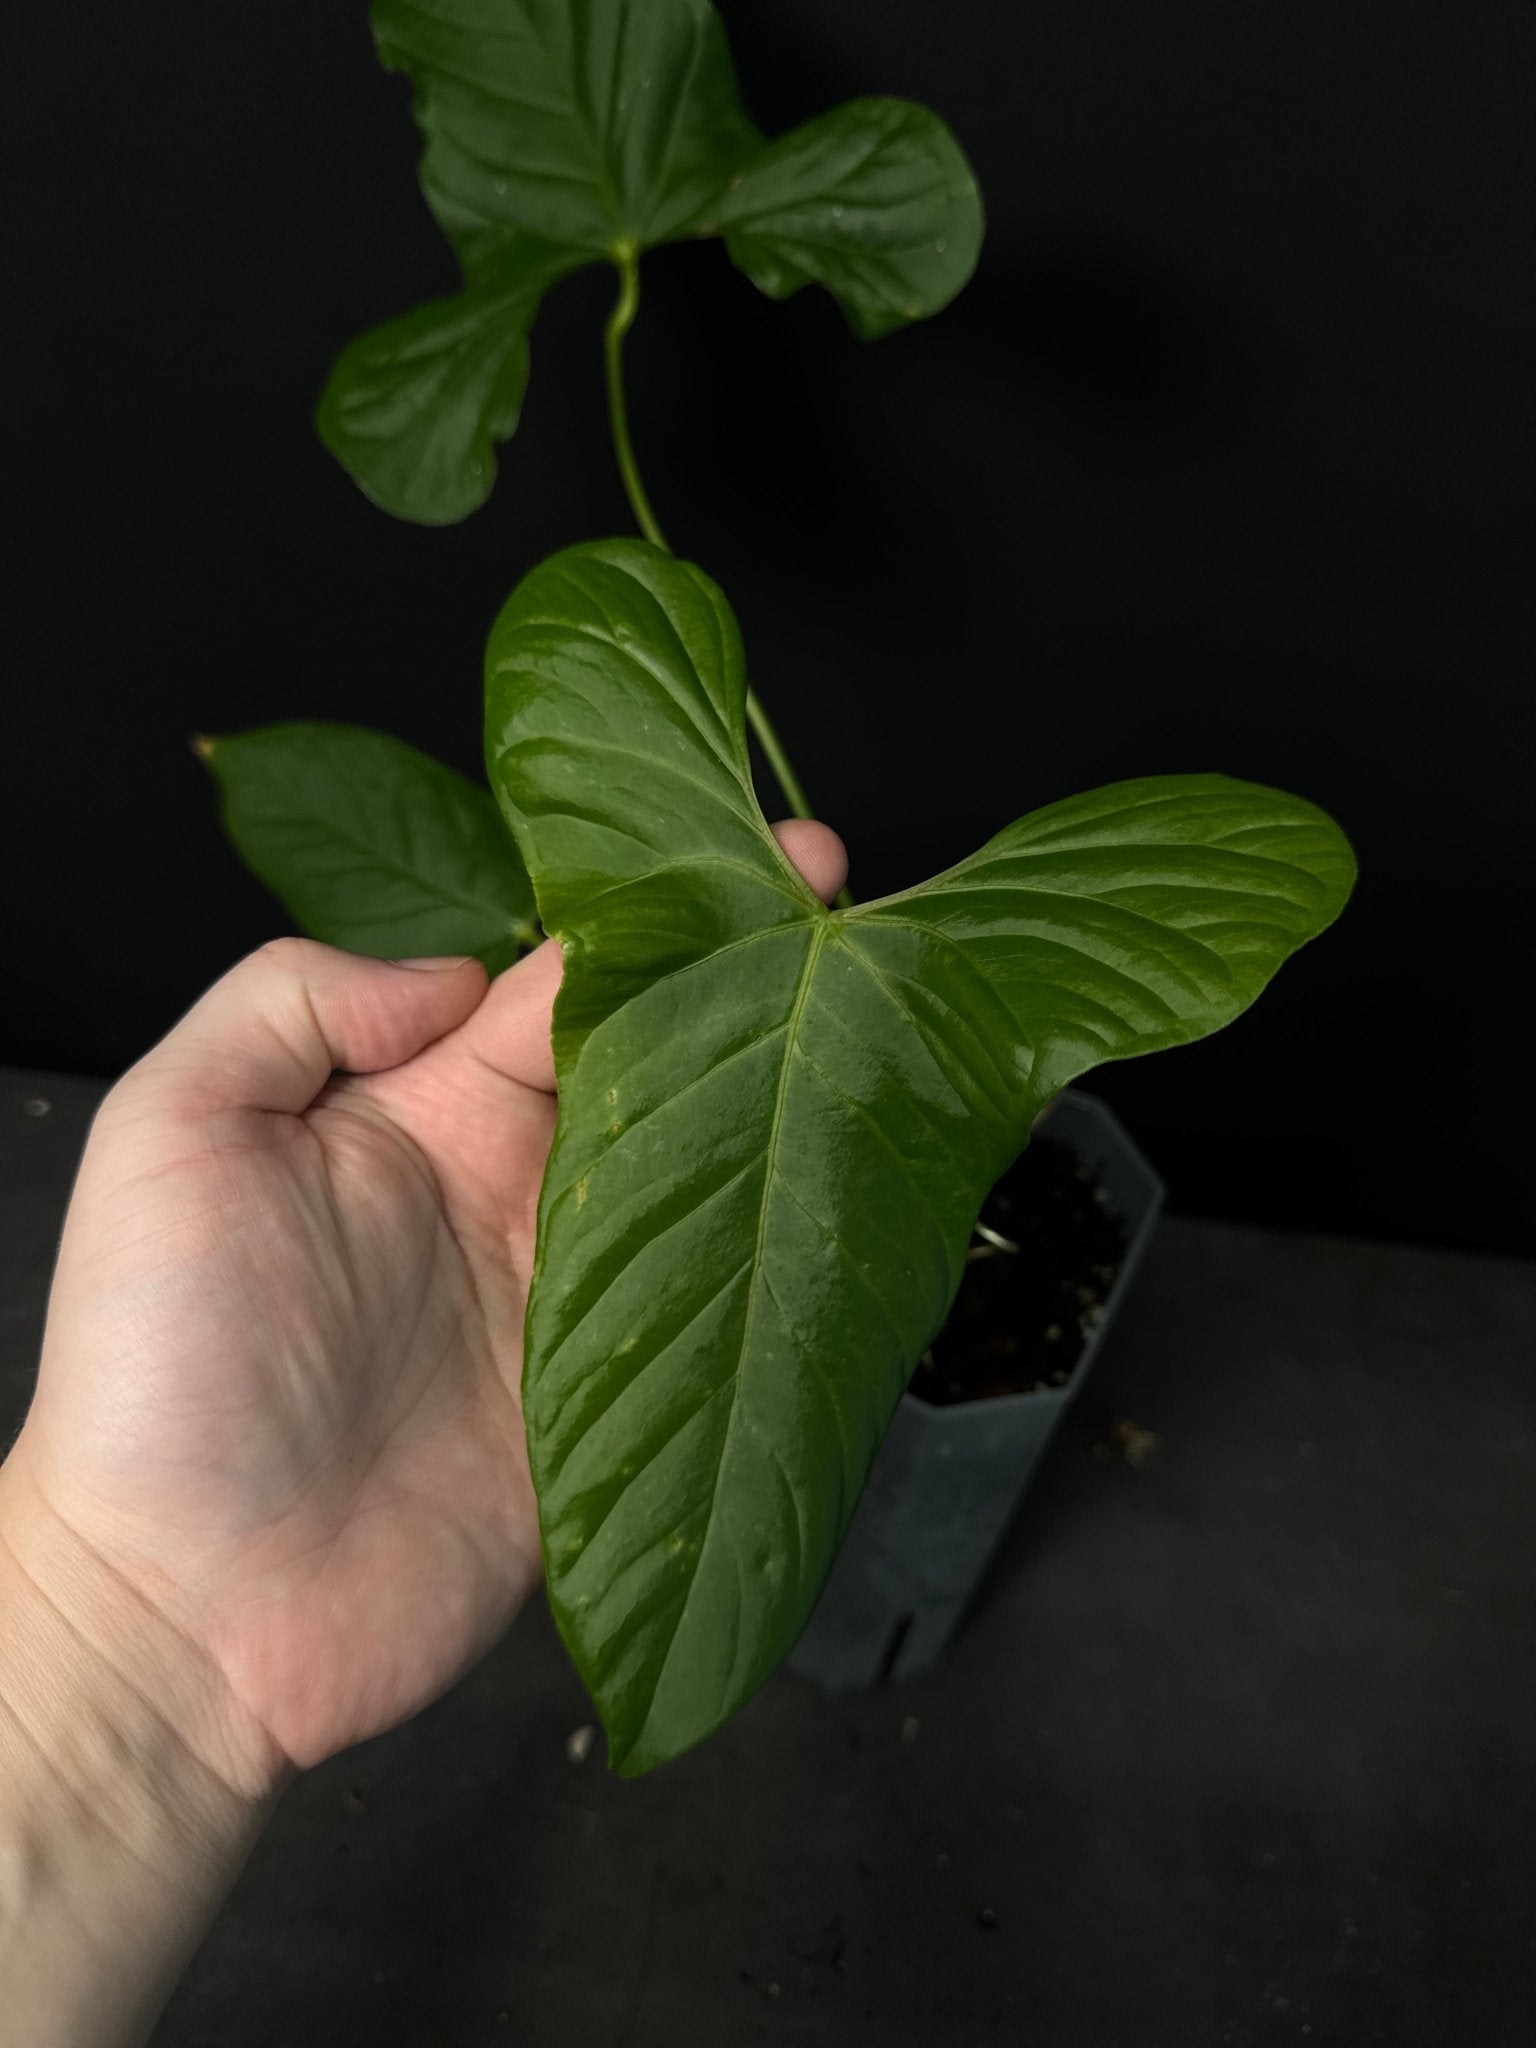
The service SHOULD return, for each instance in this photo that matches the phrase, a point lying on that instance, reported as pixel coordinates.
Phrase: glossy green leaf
(589, 122)
(371, 845)
(414, 409)
(564, 132)
(874, 200)
(777, 1123)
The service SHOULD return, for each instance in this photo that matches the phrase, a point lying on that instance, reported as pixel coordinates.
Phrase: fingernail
(435, 963)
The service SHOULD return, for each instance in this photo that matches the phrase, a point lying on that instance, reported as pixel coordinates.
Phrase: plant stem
(620, 320)
(777, 759)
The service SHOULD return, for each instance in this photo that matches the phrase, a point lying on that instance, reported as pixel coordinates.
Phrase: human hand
(277, 1434)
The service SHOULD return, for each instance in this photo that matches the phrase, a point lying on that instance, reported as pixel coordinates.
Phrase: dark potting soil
(1020, 1318)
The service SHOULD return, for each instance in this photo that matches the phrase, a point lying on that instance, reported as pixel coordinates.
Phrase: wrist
(78, 1632)
(129, 1793)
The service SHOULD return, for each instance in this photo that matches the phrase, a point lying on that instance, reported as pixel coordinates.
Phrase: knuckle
(136, 1096)
(289, 952)
(121, 1096)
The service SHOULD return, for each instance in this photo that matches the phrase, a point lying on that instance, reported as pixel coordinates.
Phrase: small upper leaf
(590, 122)
(415, 408)
(563, 132)
(777, 1123)
(372, 845)
(874, 200)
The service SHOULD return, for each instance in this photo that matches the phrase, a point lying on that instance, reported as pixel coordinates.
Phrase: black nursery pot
(947, 1479)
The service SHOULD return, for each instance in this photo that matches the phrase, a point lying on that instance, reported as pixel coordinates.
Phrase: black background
(1222, 461)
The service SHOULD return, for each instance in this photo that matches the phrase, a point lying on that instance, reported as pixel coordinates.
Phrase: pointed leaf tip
(372, 845)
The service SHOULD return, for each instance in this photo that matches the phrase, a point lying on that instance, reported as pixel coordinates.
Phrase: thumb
(271, 1032)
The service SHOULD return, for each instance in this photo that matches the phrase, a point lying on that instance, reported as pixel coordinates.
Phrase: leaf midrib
(508, 922)
(819, 933)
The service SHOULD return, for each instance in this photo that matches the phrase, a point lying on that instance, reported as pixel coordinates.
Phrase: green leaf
(777, 1123)
(371, 845)
(874, 200)
(564, 132)
(590, 122)
(414, 409)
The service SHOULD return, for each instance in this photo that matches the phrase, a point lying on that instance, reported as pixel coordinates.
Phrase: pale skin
(272, 1496)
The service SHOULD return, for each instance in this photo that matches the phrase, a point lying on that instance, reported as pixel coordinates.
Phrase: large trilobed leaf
(777, 1122)
(563, 132)
(372, 845)
(874, 200)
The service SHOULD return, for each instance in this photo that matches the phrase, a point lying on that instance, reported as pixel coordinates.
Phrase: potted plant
(1028, 1323)
(778, 1119)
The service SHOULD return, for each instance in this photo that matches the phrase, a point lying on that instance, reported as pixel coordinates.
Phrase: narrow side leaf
(777, 1123)
(874, 200)
(371, 845)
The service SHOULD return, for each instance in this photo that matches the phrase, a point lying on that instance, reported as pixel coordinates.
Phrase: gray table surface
(1237, 1747)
